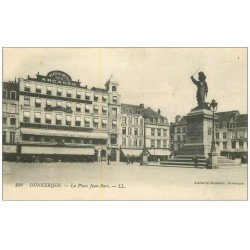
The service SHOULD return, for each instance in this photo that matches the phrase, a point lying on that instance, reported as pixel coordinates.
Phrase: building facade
(141, 124)
(230, 134)
(64, 120)
(10, 120)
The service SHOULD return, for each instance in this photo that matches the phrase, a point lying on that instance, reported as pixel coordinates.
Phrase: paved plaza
(119, 181)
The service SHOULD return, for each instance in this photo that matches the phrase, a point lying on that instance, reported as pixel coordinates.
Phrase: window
(59, 92)
(13, 94)
(178, 130)
(4, 107)
(184, 129)
(4, 137)
(5, 94)
(96, 96)
(78, 107)
(140, 143)
(114, 99)
(37, 117)
(68, 120)
(58, 120)
(233, 145)
(164, 143)
(12, 137)
(26, 101)
(104, 98)
(124, 142)
(152, 143)
(158, 143)
(104, 110)
(48, 118)
(78, 95)
(184, 137)
(241, 144)
(113, 139)
(141, 121)
(4, 120)
(114, 125)
(95, 122)
(78, 121)
(130, 119)
(12, 108)
(136, 121)
(104, 124)
(38, 88)
(87, 122)
(96, 109)
(224, 145)
(59, 104)
(178, 138)
(164, 132)
(141, 131)
(114, 112)
(129, 142)
(27, 87)
(12, 121)
(224, 125)
(87, 109)
(129, 131)
(48, 103)
(26, 116)
(124, 119)
(217, 136)
(69, 93)
(38, 103)
(136, 131)
(152, 131)
(68, 105)
(135, 143)
(224, 135)
(49, 90)
(87, 96)
(159, 132)
(124, 130)
(113, 88)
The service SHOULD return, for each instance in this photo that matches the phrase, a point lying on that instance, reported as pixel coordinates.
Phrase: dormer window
(114, 88)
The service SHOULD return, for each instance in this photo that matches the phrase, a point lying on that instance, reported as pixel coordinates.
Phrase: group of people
(130, 159)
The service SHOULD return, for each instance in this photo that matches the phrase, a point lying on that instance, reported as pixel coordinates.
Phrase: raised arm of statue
(194, 81)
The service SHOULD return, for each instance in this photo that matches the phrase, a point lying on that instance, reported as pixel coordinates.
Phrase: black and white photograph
(124, 123)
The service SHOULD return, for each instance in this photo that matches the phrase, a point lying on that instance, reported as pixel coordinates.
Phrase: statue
(202, 90)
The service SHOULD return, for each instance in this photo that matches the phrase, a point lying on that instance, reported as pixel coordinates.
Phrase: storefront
(158, 154)
(131, 153)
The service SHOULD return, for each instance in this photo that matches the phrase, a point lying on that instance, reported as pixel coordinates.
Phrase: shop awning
(76, 134)
(130, 152)
(159, 152)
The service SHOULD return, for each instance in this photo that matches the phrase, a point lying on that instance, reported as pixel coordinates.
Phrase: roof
(182, 122)
(242, 120)
(130, 109)
(99, 89)
(227, 116)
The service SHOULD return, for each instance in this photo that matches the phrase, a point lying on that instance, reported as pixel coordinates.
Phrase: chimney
(159, 111)
(142, 106)
(177, 118)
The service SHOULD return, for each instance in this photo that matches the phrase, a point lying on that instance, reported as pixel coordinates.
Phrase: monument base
(199, 132)
(213, 160)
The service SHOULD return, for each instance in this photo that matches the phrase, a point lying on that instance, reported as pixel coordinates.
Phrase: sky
(157, 77)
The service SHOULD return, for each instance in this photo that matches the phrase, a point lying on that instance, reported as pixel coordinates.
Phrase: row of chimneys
(142, 107)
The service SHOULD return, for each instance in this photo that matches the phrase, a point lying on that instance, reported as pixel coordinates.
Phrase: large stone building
(64, 120)
(137, 122)
(230, 133)
(10, 120)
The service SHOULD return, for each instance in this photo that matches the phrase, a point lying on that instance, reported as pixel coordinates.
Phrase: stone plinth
(199, 132)
(213, 160)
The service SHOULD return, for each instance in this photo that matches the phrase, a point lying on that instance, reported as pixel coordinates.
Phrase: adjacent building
(141, 124)
(10, 120)
(230, 133)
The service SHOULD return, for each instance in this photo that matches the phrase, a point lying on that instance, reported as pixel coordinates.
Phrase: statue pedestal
(199, 132)
(213, 160)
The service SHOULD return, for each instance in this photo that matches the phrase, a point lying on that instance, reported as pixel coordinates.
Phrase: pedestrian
(108, 158)
(128, 160)
(195, 159)
(132, 159)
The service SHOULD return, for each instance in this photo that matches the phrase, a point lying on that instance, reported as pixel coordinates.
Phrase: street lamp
(213, 155)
